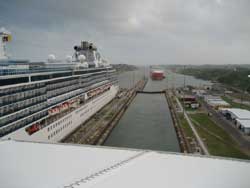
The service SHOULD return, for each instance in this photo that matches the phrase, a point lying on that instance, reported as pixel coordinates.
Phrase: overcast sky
(131, 31)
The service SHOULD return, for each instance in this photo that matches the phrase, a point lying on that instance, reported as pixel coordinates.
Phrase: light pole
(167, 80)
(133, 79)
(244, 91)
(173, 81)
(184, 85)
(247, 85)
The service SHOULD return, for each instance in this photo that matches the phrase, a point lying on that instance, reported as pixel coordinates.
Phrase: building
(240, 118)
(199, 92)
(244, 125)
(216, 102)
(228, 92)
(39, 165)
(207, 87)
(188, 98)
(236, 113)
(190, 101)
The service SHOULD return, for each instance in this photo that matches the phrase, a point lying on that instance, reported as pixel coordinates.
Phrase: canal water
(147, 123)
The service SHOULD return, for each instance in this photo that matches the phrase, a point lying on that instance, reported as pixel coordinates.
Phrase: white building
(216, 102)
(244, 125)
(240, 117)
(199, 92)
(237, 113)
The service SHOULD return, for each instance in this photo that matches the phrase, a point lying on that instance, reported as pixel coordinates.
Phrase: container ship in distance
(157, 74)
(46, 101)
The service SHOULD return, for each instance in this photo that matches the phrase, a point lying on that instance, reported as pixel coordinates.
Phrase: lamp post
(167, 81)
(173, 81)
(244, 91)
(184, 85)
(247, 85)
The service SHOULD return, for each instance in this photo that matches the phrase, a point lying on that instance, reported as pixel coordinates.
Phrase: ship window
(40, 77)
(61, 74)
(13, 81)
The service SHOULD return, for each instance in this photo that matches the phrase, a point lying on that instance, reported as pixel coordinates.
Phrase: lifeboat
(74, 103)
(64, 106)
(90, 94)
(54, 110)
(33, 128)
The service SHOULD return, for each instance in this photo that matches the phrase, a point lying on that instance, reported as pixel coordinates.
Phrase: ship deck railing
(9, 72)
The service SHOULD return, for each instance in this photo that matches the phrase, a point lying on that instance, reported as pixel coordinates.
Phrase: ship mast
(5, 37)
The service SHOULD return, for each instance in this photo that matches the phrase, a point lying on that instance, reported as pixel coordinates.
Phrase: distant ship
(157, 74)
(48, 100)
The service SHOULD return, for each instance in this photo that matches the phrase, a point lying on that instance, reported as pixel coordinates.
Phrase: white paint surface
(26, 164)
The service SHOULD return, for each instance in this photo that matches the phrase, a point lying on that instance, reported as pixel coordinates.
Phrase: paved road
(228, 127)
(198, 138)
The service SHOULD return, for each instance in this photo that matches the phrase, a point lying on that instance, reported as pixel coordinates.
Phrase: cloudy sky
(131, 31)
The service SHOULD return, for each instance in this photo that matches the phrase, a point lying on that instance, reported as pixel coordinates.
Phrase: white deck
(27, 164)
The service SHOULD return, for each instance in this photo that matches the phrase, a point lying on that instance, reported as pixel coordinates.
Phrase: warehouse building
(190, 101)
(240, 117)
(216, 102)
(244, 125)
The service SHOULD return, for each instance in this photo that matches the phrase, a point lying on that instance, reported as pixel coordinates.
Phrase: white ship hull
(59, 129)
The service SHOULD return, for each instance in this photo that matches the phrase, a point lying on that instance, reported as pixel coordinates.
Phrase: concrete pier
(185, 148)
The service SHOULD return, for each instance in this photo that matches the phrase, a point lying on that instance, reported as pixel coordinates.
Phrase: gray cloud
(132, 31)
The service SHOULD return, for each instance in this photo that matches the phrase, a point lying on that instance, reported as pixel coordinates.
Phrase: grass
(190, 109)
(217, 140)
(207, 123)
(186, 128)
(234, 104)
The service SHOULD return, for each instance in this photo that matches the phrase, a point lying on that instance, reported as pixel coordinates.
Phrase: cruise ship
(46, 101)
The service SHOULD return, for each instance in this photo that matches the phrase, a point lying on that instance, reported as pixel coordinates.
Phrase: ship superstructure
(5, 37)
(48, 100)
(157, 74)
